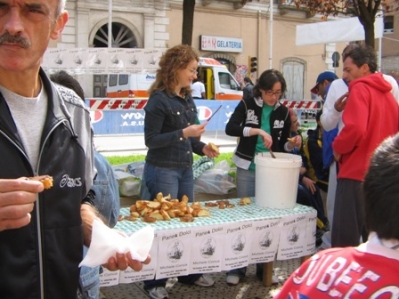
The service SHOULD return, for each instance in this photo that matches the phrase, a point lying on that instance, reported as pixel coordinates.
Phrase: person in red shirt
(370, 270)
(371, 114)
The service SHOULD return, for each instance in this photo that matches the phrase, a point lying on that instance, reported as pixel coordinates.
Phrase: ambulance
(220, 84)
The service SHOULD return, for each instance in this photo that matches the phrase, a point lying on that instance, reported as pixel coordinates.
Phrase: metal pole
(271, 35)
(109, 23)
(379, 54)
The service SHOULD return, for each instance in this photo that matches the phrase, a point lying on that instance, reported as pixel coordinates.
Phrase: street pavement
(249, 287)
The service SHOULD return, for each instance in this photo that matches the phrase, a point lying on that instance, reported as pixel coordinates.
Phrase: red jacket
(344, 273)
(371, 115)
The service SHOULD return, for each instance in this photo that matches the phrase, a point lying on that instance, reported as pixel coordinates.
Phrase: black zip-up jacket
(248, 113)
(41, 260)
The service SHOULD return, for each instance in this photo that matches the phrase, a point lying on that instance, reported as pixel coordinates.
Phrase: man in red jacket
(371, 115)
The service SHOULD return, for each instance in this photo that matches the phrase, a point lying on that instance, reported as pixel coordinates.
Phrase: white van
(129, 86)
(219, 83)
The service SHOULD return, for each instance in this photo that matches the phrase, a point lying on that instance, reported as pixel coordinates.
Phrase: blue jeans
(245, 182)
(305, 197)
(90, 280)
(144, 193)
(176, 182)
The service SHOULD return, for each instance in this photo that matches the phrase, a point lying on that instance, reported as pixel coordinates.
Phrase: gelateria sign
(220, 44)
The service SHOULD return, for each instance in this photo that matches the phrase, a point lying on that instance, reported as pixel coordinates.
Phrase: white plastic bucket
(276, 180)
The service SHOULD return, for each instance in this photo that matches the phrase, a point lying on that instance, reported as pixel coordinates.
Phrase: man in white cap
(323, 83)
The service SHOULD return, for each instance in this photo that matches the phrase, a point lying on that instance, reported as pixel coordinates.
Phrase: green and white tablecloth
(230, 238)
(250, 212)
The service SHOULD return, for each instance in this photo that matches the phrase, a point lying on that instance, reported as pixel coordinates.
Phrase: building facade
(254, 30)
(390, 45)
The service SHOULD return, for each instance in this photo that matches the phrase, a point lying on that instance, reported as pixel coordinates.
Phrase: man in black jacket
(43, 130)
(247, 91)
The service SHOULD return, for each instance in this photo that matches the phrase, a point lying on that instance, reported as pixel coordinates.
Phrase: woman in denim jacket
(171, 135)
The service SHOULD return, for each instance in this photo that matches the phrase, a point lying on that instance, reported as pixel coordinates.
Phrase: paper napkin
(106, 242)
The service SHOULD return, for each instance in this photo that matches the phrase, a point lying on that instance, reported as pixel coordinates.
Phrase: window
(97, 92)
(123, 79)
(293, 70)
(113, 79)
(122, 37)
(227, 81)
(388, 24)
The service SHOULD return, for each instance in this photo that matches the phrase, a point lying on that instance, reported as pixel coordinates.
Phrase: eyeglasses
(194, 72)
(276, 93)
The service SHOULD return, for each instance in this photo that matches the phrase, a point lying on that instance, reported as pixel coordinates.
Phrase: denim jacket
(107, 202)
(106, 188)
(166, 116)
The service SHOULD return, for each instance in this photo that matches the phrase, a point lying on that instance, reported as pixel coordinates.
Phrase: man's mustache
(7, 38)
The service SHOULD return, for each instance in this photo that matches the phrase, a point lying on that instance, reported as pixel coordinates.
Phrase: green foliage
(118, 160)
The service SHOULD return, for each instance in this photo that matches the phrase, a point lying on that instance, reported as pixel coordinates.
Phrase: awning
(222, 56)
(343, 30)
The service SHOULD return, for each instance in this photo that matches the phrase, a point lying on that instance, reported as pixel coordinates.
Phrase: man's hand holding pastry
(17, 199)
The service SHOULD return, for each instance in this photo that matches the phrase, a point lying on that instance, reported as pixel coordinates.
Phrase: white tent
(343, 30)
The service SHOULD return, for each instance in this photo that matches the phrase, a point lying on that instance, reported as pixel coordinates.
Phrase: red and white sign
(221, 44)
(96, 115)
(116, 104)
(302, 104)
(203, 111)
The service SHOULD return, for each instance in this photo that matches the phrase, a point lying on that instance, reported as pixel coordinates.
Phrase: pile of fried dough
(225, 204)
(165, 208)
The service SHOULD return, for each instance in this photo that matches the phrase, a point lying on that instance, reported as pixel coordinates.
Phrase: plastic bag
(129, 187)
(216, 180)
(223, 165)
(202, 165)
(136, 169)
(129, 184)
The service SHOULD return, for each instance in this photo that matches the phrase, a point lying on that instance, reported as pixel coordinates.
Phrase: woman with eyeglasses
(171, 135)
(262, 123)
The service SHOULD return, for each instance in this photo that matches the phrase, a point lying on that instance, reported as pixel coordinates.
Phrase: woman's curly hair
(172, 60)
